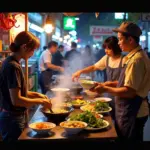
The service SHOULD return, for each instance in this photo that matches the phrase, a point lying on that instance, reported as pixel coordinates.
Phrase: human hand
(47, 104)
(106, 83)
(111, 83)
(99, 88)
(61, 69)
(76, 75)
(42, 96)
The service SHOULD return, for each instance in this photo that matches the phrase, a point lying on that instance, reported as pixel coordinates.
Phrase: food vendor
(13, 100)
(133, 85)
(112, 62)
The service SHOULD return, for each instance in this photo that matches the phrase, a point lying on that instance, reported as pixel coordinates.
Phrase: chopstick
(51, 110)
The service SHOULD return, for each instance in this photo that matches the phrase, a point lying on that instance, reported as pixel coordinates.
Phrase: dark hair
(74, 44)
(61, 46)
(88, 47)
(137, 39)
(112, 43)
(31, 41)
(44, 47)
(52, 43)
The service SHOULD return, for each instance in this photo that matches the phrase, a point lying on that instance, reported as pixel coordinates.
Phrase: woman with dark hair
(112, 62)
(15, 99)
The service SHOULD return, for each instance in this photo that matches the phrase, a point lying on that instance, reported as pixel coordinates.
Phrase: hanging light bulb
(48, 27)
(97, 14)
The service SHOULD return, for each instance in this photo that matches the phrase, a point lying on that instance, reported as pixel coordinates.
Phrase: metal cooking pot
(57, 117)
(76, 89)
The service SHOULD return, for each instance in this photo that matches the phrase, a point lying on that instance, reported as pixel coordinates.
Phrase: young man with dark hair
(132, 88)
(46, 66)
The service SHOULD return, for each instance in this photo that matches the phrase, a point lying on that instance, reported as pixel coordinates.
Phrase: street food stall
(58, 133)
(69, 105)
(42, 126)
(11, 25)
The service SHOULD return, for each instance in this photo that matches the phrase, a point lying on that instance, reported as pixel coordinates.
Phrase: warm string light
(48, 28)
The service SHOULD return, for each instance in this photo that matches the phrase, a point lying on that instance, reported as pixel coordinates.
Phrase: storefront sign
(97, 38)
(101, 30)
(121, 15)
(69, 23)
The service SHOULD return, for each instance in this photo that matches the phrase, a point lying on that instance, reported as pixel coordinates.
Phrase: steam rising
(74, 64)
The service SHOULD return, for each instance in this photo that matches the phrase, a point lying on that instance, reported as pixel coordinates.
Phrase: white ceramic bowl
(85, 77)
(87, 84)
(103, 99)
(34, 127)
(61, 91)
(73, 130)
(90, 93)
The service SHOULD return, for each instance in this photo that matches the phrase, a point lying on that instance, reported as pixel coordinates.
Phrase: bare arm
(111, 83)
(125, 92)
(88, 69)
(20, 101)
(53, 67)
(36, 95)
(31, 94)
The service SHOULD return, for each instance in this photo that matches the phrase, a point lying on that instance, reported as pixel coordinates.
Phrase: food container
(76, 89)
(71, 128)
(60, 91)
(57, 117)
(42, 127)
(91, 94)
(103, 99)
(87, 84)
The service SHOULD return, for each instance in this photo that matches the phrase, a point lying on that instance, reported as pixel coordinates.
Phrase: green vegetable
(89, 118)
(101, 106)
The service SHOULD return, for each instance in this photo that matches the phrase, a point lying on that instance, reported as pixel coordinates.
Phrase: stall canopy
(77, 13)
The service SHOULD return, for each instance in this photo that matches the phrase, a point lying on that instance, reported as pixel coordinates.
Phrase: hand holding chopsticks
(47, 104)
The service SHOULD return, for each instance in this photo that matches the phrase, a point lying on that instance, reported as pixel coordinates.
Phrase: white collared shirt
(46, 57)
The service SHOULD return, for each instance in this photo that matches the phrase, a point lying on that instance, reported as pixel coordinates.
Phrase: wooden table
(58, 133)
